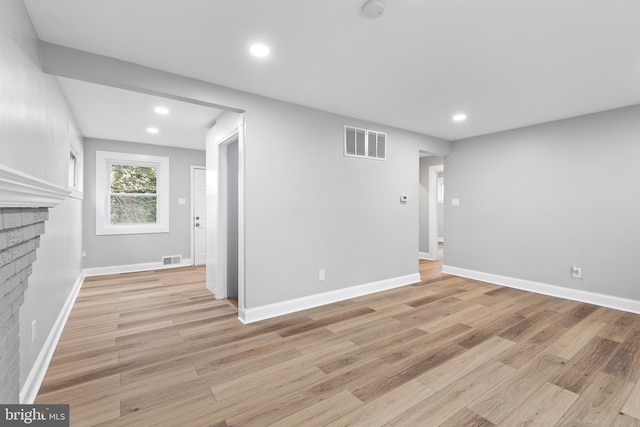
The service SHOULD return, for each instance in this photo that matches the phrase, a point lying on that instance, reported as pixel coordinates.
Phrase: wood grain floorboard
(156, 348)
(467, 418)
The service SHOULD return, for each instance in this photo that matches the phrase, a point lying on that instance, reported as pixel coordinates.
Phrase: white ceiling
(110, 113)
(505, 63)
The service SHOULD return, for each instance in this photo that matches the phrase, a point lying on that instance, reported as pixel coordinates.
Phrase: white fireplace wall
(34, 140)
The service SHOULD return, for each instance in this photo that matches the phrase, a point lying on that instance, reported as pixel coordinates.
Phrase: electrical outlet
(33, 331)
(576, 272)
(321, 274)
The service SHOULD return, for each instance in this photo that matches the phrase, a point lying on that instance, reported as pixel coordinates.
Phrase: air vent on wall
(171, 259)
(365, 143)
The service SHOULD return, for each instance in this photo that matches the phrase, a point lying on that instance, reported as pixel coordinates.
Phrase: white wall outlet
(321, 274)
(33, 331)
(576, 272)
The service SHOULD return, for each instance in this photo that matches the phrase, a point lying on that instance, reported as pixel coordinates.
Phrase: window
(132, 193)
(75, 166)
(365, 143)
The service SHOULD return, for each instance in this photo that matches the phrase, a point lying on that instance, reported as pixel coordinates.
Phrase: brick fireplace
(20, 230)
(24, 208)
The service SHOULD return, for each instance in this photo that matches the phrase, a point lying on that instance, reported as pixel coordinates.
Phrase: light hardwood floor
(155, 348)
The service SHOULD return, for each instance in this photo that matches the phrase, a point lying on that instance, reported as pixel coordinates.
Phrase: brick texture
(20, 231)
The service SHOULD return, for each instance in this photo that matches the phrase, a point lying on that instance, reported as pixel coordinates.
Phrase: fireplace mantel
(24, 208)
(19, 190)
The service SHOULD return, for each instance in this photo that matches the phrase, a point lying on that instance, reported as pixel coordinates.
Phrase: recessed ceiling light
(152, 130)
(460, 117)
(162, 110)
(260, 50)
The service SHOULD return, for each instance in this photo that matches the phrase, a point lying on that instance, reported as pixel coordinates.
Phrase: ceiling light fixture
(373, 9)
(152, 130)
(260, 50)
(460, 117)
(162, 110)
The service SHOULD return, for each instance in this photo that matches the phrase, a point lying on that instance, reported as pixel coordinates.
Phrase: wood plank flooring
(155, 348)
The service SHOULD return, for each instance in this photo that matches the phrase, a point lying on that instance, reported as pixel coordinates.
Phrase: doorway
(229, 219)
(225, 209)
(436, 211)
(232, 220)
(431, 201)
(198, 215)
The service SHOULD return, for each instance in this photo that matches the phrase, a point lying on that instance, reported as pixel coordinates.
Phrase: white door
(199, 216)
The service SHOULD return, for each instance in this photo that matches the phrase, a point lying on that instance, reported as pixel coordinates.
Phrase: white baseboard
(603, 300)
(131, 268)
(426, 255)
(249, 315)
(34, 380)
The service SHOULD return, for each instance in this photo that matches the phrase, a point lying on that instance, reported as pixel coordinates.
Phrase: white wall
(536, 200)
(126, 249)
(34, 114)
(306, 205)
(34, 120)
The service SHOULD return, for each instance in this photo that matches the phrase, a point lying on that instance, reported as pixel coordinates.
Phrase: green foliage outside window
(133, 194)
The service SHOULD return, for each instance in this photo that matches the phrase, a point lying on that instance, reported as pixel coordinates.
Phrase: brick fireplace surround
(24, 208)
(20, 230)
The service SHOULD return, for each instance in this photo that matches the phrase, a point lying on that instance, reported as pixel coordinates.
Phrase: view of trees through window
(133, 194)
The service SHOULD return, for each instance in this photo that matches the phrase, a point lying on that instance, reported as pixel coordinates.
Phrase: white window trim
(103, 224)
(75, 148)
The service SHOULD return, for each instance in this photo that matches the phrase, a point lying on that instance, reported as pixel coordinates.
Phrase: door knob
(197, 217)
(197, 224)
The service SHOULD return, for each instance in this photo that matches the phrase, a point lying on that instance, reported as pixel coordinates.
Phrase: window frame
(76, 151)
(104, 160)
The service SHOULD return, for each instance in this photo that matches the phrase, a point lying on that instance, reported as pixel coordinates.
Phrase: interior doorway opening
(229, 168)
(431, 200)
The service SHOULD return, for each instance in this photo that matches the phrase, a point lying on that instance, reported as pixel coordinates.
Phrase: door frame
(192, 211)
(433, 209)
(221, 285)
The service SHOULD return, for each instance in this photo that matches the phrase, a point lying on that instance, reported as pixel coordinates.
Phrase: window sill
(131, 229)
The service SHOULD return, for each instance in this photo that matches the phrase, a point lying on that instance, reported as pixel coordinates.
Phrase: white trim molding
(603, 300)
(104, 162)
(250, 315)
(426, 255)
(32, 384)
(132, 268)
(19, 190)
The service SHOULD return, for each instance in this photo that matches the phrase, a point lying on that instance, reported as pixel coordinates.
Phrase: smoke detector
(373, 9)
